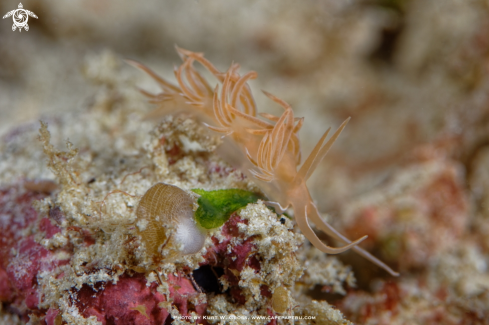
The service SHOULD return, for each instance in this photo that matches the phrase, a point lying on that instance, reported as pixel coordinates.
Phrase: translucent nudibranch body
(165, 214)
(272, 147)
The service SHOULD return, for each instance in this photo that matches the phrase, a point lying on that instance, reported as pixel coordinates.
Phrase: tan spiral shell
(161, 209)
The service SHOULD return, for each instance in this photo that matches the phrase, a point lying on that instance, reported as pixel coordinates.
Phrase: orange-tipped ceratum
(276, 166)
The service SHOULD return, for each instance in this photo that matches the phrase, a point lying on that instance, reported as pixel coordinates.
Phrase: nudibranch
(267, 151)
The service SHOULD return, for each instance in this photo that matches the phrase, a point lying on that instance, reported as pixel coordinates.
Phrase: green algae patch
(215, 207)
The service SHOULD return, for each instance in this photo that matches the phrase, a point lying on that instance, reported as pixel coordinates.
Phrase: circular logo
(20, 18)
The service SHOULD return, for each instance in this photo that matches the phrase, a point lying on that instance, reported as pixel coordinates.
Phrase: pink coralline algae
(21, 257)
(133, 301)
(232, 261)
(130, 300)
(23, 269)
(421, 214)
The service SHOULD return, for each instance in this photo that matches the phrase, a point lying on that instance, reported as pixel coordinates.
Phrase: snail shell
(166, 209)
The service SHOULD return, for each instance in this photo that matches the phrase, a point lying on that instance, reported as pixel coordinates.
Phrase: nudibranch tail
(304, 226)
(330, 231)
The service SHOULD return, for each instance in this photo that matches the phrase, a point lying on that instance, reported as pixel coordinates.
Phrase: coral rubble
(71, 249)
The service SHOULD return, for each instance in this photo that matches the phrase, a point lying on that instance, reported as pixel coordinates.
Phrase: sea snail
(165, 216)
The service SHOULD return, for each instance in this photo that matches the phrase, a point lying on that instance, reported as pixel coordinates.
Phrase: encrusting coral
(273, 149)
